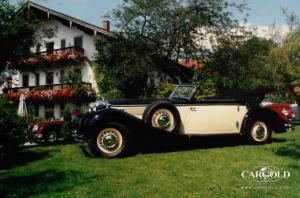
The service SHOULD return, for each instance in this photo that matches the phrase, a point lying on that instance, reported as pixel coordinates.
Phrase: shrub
(163, 90)
(13, 129)
(66, 129)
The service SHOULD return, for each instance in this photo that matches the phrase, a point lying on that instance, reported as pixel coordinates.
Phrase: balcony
(58, 93)
(64, 56)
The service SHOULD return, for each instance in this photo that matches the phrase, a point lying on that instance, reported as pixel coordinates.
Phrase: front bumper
(289, 127)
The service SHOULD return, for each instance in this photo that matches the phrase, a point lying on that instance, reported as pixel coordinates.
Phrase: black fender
(95, 121)
(276, 123)
(142, 134)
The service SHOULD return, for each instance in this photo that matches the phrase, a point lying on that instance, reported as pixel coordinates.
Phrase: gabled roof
(49, 12)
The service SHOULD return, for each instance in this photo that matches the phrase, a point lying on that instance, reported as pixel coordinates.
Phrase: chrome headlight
(35, 128)
(92, 107)
(285, 112)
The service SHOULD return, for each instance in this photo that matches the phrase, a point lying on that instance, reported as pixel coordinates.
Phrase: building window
(78, 41)
(36, 110)
(49, 111)
(38, 48)
(50, 47)
(63, 43)
(49, 78)
(37, 79)
(25, 80)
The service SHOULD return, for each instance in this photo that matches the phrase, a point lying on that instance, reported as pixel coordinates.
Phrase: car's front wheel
(259, 132)
(112, 140)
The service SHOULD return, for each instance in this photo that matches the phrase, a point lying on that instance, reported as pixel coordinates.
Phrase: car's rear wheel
(259, 132)
(162, 115)
(51, 137)
(112, 140)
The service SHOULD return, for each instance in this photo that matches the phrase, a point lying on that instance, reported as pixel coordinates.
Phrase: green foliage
(280, 99)
(235, 67)
(163, 90)
(66, 129)
(205, 82)
(13, 129)
(167, 25)
(124, 64)
(283, 63)
(72, 77)
(16, 33)
(154, 35)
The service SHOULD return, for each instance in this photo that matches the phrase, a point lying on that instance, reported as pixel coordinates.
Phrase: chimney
(106, 24)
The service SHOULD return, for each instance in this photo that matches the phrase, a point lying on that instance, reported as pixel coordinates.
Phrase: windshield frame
(189, 97)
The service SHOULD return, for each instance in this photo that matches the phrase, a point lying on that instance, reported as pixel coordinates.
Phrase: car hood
(54, 122)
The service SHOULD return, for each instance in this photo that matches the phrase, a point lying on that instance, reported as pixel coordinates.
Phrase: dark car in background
(50, 131)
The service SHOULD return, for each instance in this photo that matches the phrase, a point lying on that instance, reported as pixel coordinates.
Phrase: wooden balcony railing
(54, 93)
(44, 87)
(62, 56)
(56, 51)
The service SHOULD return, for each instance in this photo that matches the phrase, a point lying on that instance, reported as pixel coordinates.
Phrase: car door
(214, 119)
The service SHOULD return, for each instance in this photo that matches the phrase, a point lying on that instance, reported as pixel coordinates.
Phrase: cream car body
(115, 121)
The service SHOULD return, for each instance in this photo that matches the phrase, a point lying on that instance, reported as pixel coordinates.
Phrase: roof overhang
(71, 20)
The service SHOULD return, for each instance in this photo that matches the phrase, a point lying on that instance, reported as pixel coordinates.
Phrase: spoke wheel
(163, 119)
(112, 140)
(164, 115)
(51, 137)
(259, 133)
(109, 140)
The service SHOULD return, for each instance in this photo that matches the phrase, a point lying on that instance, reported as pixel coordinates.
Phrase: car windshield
(184, 92)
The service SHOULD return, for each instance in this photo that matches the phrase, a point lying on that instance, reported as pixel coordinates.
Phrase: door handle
(192, 108)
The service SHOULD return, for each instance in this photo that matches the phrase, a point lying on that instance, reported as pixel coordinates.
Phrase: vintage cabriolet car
(112, 128)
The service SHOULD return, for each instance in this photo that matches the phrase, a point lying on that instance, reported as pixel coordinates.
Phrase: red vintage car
(50, 131)
(284, 111)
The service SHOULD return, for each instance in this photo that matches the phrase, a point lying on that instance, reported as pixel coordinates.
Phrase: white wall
(68, 33)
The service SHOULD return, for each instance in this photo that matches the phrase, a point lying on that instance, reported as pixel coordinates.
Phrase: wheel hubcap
(52, 137)
(259, 131)
(163, 119)
(109, 140)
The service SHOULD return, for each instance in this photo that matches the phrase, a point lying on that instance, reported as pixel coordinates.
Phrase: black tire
(51, 137)
(169, 110)
(258, 132)
(99, 143)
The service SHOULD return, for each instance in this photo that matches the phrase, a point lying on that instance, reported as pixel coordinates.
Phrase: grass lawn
(204, 169)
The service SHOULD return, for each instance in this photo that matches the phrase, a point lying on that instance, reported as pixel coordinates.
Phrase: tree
(172, 27)
(16, 34)
(13, 129)
(236, 66)
(153, 36)
(291, 18)
(283, 62)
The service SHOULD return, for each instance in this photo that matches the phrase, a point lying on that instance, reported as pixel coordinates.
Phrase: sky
(261, 12)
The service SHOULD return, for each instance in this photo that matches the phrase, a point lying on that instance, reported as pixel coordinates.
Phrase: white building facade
(66, 42)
